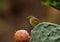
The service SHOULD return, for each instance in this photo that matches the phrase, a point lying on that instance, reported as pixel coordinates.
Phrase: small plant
(22, 36)
(52, 3)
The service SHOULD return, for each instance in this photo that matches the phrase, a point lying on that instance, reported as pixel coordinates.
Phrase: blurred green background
(14, 13)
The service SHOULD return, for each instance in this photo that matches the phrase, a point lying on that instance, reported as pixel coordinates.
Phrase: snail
(44, 31)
